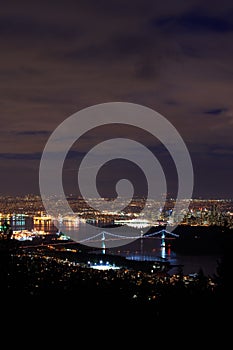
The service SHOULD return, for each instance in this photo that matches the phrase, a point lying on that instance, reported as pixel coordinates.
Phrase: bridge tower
(103, 243)
(163, 243)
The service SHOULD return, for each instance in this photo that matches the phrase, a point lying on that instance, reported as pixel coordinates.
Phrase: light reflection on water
(150, 249)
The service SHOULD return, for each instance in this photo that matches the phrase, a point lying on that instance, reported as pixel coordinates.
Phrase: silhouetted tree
(224, 286)
(224, 274)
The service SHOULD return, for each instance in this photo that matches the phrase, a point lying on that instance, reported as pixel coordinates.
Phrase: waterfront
(142, 249)
(149, 248)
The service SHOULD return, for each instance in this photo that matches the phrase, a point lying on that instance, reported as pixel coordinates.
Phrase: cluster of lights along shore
(27, 212)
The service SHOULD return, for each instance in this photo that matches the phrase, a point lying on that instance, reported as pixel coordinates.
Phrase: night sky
(175, 57)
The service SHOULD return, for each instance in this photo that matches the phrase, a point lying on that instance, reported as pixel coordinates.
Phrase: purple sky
(175, 57)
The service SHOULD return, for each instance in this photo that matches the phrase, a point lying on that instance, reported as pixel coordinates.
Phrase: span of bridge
(104, 236)
(108, 236)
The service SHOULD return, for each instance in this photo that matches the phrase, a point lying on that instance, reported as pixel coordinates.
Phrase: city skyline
(173, 57)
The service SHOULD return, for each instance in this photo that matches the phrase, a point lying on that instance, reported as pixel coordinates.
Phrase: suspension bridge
(102, 238)
(105, 236)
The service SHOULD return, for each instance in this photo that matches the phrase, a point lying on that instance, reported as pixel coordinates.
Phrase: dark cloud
(222, 152)
(20, 156)
(195, 22)
(115, 48)
(71, 155)
(216, 111)
(33, 132)
(26, 27)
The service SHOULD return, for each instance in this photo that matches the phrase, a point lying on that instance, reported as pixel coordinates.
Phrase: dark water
(150, 249)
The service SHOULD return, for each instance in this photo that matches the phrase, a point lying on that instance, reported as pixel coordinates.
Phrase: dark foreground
(34, 281)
